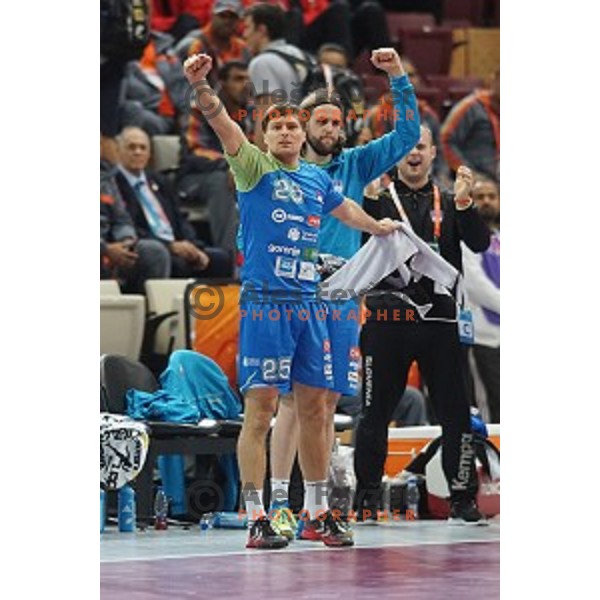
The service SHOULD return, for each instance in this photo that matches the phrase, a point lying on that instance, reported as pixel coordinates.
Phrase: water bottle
(230, 520)
(102, 509)
(412, 499)
(127, 509)
(207, 521)
(161, 509)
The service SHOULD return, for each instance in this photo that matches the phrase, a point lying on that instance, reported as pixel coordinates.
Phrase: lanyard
(437, 210)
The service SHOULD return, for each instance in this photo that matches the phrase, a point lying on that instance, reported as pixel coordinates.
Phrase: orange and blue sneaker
(262, 535)
(329, 529)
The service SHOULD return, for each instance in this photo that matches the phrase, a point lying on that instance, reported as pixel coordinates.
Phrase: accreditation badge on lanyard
(466, 330)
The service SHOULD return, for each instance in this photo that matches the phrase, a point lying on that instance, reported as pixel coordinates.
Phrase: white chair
(122, 320)
(166, 295)
(109, 287)
(165, 152)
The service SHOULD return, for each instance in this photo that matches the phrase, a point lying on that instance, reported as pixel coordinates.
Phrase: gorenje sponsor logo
(287, 250)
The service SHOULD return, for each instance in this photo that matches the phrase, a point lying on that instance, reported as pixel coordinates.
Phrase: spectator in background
(482, 285)
(380, 120)
(178, 17)
(273, 77)
(204, 176)
(122, 255)
(470, 134)
(333, 55)
(219, 37)
(155, 89)
(156, 214)
(355, 26)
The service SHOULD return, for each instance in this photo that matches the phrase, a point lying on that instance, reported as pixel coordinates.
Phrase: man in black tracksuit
(389, 346)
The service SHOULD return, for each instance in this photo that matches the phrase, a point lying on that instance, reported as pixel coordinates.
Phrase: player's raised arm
(205, 99)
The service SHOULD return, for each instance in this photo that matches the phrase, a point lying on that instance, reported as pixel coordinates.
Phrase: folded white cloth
(402, 250)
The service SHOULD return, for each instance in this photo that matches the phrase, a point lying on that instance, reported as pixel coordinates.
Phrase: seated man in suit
(155, 211)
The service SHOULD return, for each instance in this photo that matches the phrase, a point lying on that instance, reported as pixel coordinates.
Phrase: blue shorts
(284, 342)
(343, 324)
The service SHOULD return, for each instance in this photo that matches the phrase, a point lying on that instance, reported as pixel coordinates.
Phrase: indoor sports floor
(418, 560)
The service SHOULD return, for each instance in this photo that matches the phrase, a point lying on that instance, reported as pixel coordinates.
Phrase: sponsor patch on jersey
(280, 216)
(293, 234)
(354, 353)
(287, 250)
(326, 345)
(319, 197)
(310, 236)
(310, 254)
(248, 361)
(352, 377)
(314, 220)
(308, 271)
(285, 267)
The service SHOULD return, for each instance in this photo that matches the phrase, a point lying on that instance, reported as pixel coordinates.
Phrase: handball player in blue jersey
(351, 170)
(284, 344)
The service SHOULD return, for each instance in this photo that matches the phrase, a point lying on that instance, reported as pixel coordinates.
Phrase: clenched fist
(463, 185)
(197, 67)
(387, 60)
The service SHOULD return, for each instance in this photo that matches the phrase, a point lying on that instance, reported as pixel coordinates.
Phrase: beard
(322, 149)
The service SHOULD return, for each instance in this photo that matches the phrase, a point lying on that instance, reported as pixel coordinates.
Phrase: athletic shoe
(283, 522)
(262, 535)
(465, 512)
(332, 531)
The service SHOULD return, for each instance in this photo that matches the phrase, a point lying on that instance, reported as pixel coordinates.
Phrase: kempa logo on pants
(368, 379)
(461, 481)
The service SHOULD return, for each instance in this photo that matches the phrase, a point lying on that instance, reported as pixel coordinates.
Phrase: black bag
(124, 29)
(346, 83)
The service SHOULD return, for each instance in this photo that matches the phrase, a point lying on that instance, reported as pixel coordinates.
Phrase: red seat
(362, 64)
(399, 22)
(430, 50)
(469, 11)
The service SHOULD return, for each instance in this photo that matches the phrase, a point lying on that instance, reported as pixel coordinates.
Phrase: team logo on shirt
(354, 353)
(314, 220)
(319, 197)
(338, 186)
(326, 346)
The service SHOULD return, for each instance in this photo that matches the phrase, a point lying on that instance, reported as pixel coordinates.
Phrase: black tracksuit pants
(388, 349)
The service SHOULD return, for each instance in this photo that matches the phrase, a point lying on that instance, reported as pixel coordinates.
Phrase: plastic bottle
(412, 499)
(102, 509)
(161, 509)
(230, 520)
(127, 515)
(207, 521)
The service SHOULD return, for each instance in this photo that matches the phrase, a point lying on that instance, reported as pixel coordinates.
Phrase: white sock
(315, 498)
(254, 506)
(279, 492)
